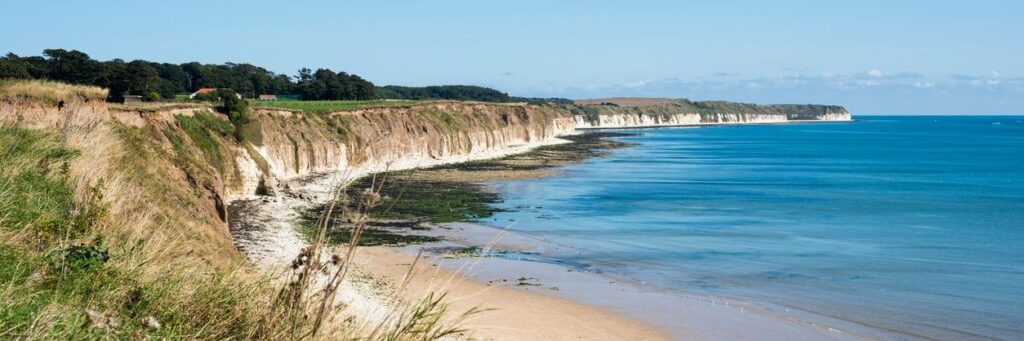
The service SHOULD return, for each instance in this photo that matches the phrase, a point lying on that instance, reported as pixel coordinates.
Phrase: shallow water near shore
(909, 224)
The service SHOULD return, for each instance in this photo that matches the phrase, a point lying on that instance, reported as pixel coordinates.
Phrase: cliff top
(48, 91)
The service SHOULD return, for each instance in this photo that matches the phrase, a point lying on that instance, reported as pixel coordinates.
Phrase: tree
(237, 109)
(173, 79)
(113, 75)
(70, 66)
(142, 78)
(11, 66)
(455, 92)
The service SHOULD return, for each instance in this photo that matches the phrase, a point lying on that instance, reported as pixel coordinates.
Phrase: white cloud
(875, 73)
(868, 83)
(636, 84)
(924, 85)
(891, 92)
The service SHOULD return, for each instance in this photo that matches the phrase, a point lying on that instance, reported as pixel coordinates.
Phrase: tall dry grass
(48, 91)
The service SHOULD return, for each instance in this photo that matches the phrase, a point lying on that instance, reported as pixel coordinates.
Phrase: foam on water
(912, 224)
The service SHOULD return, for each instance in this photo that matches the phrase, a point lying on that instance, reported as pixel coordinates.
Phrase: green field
(328, 106)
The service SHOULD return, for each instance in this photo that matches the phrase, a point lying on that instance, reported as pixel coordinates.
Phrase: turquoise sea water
(910, 224)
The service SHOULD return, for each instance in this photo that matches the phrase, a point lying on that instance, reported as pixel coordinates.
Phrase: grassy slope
(54, 263)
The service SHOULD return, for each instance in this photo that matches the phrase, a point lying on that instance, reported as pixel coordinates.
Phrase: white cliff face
(639, 120)
(249, 177)
(356, 143)
(845, 116)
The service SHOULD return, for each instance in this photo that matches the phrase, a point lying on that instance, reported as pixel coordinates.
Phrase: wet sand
(511, 261)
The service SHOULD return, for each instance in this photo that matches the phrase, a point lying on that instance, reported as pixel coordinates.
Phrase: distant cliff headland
(650, 112)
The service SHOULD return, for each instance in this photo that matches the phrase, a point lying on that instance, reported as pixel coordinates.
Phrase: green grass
(444, 119)
(328, 106)
(33, 190)
(44, 301)
(205, 130)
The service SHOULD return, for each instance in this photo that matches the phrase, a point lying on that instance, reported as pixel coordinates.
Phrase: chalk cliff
(684, 112)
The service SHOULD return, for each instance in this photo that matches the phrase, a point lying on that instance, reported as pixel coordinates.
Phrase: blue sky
(872, 56)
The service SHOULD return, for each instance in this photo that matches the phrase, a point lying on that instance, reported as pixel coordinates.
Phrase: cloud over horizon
(871, 91)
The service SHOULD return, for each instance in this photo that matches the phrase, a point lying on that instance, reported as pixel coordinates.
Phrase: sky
(874, 57)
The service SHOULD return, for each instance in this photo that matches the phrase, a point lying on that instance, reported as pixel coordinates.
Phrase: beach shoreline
(546, 300)
(516, 261)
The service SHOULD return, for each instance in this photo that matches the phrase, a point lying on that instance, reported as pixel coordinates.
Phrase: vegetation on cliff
(46, 91)
(63, 278)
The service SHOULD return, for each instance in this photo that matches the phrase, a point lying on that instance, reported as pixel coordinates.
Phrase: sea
(909, 224)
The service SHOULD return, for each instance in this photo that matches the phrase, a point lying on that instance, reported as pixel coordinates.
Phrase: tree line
(155, 80)
(458, 92)
(143, 78)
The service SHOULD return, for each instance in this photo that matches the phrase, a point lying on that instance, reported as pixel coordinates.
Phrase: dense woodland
(443, 92)
(140, 77)
(165, 80)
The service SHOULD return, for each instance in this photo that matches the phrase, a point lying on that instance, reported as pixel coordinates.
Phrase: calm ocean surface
(914, 224)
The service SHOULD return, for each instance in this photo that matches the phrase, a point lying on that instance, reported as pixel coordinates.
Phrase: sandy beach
(509, 314)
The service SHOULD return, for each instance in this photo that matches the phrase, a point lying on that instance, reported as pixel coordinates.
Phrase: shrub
(79, 257)
(231, 105)
(207, 97)
(153, 97)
